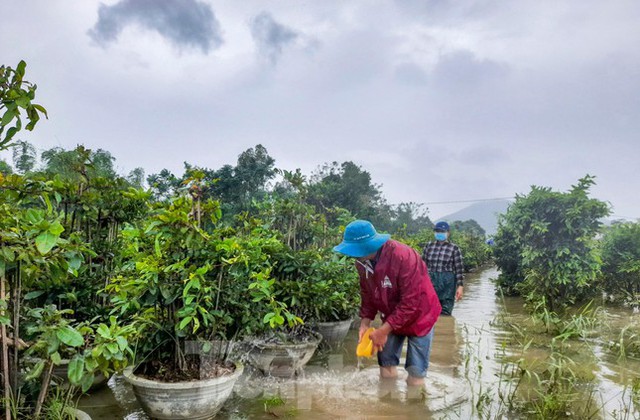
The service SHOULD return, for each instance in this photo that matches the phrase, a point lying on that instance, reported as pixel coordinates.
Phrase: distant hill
(484, 212)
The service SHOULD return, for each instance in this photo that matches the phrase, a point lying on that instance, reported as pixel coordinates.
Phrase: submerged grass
(627, 343)
(545, 368)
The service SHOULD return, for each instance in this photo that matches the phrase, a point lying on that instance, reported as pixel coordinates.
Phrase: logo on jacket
(386, 283)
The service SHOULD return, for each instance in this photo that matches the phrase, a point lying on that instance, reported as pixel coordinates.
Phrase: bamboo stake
(16, 326)
(5, 358)
(44, 388)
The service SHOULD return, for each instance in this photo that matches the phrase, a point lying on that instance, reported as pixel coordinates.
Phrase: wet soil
(196, 368)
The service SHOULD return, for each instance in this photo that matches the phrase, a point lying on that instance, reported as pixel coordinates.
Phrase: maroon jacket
(400, 289)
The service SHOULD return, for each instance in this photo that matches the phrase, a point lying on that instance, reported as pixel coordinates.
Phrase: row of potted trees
(201, 299)
(96, 277)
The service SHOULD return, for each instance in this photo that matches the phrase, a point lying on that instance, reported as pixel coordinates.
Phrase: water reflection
(467, 351)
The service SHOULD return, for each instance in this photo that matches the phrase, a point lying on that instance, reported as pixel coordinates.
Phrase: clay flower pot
(333, 333)
(283, 360)
(199, 399)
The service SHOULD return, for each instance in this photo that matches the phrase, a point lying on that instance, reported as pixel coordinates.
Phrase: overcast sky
(439, 100)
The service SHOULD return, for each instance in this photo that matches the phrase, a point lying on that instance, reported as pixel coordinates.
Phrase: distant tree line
(255, 178)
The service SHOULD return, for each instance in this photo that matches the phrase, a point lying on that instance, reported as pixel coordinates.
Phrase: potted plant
(315, 284)
(285, 345)
(184, 288)
(322, 288)
(34, 260)
(276, 340)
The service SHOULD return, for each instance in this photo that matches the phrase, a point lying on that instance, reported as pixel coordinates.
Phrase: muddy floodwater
(465, 365)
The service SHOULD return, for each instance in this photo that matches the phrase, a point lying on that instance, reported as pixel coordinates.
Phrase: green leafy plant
(16, 94)
(552, 248)
(183, 280)
(42, 261)
(620, 251)
(318, 285)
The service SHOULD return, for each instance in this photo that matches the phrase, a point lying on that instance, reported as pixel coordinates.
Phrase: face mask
(441, 236)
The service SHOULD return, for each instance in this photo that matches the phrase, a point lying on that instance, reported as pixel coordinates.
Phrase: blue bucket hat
(361, 239)
(442, 227)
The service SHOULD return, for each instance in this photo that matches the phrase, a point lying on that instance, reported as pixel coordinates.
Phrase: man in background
(444, 262)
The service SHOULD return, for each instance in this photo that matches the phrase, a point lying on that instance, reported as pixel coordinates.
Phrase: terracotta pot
(199, 399)
(282, 360)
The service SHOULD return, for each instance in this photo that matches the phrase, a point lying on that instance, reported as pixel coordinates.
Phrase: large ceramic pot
(355, 323)
(282, 360)
(333, 333)
(200, 399)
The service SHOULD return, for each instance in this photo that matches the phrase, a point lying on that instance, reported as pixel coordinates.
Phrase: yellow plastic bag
(365, 347)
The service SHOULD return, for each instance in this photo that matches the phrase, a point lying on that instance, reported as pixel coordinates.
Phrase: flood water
(466, 357)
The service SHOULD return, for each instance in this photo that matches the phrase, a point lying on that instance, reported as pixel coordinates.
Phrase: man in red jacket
(395, 283)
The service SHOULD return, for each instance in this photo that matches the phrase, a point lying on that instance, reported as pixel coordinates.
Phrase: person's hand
(364, 326)
(379, 337)
(459, 292)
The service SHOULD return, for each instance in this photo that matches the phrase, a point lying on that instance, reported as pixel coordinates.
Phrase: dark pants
(445, 285)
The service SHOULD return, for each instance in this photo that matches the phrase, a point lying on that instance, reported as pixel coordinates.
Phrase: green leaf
(23, 101)
(45, 197)
(76, 369)
(8, 254)
(122, 342)
(36, 371)
(45, 242)
(41, 109)
(185, 322)
(55, 358)
(34, 216)
(33, 295)
(103, 330)
(11, 132)
(20, 69)
(157, 245)
(56, 228)
(87, 381)
(69, 336)
(52, 344)
(196, 325)
(9, 115)
(75, 261)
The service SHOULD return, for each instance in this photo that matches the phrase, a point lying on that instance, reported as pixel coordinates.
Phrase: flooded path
(465, 359)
